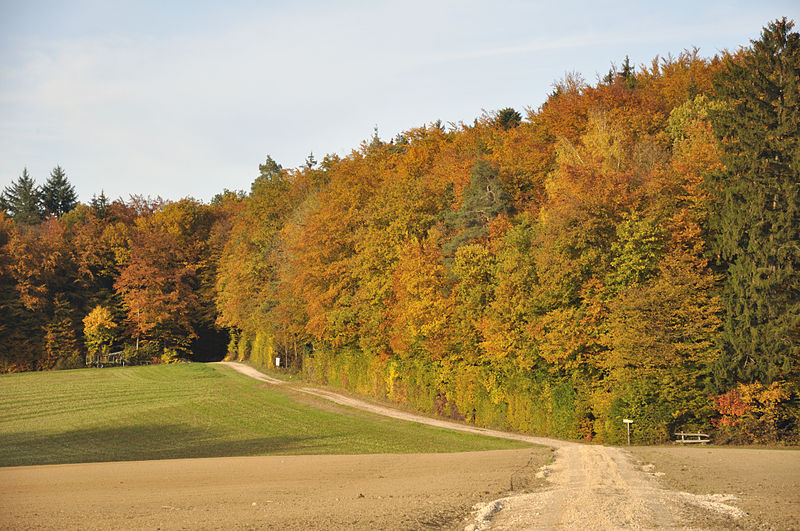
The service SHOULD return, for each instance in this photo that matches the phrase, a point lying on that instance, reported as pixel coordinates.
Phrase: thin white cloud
(192, 110)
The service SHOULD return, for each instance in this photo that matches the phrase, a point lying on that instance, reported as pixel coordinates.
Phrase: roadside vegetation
(191, 410)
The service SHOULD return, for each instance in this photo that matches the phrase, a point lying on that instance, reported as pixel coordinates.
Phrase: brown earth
(295, 492)
(765, 481)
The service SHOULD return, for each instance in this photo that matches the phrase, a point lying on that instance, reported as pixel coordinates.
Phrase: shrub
(754, 413)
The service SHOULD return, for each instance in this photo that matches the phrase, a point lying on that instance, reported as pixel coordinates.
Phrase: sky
(186, 98)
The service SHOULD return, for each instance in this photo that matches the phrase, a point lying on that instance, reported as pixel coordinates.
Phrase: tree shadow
(141, 442)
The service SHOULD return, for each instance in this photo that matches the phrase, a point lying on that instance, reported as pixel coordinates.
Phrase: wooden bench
(689, 438)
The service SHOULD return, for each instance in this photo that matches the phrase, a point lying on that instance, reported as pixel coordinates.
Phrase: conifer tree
(100, 205)
(60, 342)
(22, 200)
(508, 118)
(58, 195)
(484, 200)
(756, 221)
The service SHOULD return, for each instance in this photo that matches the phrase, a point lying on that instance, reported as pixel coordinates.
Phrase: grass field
(190, 410)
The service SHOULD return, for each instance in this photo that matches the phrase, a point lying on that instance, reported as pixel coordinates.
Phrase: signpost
(628, 423)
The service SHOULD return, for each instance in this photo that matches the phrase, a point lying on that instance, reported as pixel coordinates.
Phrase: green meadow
(191, 410)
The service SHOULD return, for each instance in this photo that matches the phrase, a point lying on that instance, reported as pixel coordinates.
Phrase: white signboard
(626, 421)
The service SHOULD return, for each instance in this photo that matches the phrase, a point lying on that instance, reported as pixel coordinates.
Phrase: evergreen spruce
(22, 200)
(628, 73)
(756, 222)
(484, 200)
(508, 118)
(58, 195)
(100, 205)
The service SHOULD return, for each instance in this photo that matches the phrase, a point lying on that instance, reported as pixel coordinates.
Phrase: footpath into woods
(588, 486)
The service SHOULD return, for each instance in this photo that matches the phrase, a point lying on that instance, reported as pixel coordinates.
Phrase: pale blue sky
(187, 98)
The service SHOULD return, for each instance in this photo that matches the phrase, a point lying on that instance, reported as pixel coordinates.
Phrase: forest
(629, 249)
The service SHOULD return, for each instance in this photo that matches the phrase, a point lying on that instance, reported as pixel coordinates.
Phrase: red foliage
(731, 407)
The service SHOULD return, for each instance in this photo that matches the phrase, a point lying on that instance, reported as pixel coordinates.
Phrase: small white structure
(628, 423)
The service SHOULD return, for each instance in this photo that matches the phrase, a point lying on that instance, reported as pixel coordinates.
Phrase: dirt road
(598, 487)
(589, 487)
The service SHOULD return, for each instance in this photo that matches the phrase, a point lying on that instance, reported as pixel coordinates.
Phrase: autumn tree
(61, 346)
(419, 310)
(161, 284)
(247, 283)
(99, 329)
(20, 328)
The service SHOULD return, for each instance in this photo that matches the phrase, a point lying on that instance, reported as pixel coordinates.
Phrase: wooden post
(628, 425)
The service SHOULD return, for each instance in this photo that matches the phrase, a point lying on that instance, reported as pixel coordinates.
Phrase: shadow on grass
(141, 442)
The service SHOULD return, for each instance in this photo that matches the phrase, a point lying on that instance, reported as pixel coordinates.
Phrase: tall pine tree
(756, 222)
(58, 195)
(22, 200)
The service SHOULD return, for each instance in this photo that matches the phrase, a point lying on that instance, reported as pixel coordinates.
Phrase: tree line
(629, 249)
(27, 203)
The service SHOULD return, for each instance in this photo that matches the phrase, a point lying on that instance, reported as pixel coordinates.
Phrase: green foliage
(565, 409)
(58, 195)
(643, 402)
(636, 251)
(699, 108)
(508, 118)
(483, 201)
(22, 200)
(756, 218)
(624, 76)
(145, 353)
(100, 205)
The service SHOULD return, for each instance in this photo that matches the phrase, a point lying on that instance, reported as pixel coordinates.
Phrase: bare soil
(295, 492)
(766, 482)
